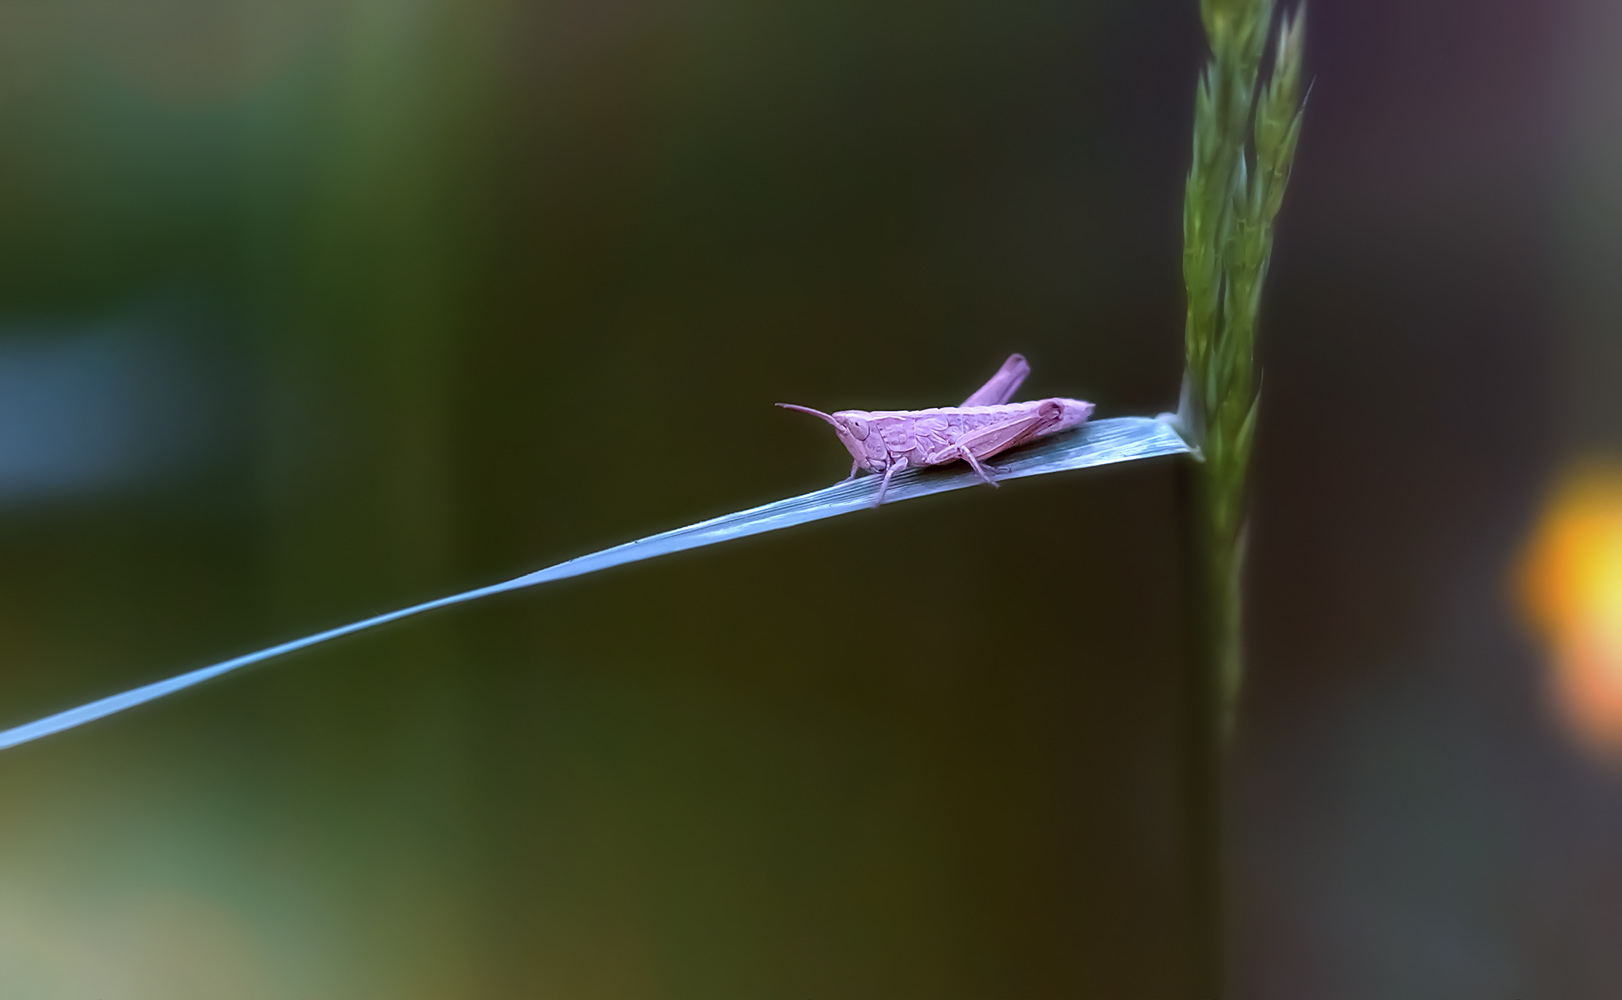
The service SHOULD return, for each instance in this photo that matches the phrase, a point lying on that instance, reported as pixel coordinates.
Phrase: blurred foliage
(1570, 588)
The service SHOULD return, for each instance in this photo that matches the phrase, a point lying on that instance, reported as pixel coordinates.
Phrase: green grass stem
(1244, 144)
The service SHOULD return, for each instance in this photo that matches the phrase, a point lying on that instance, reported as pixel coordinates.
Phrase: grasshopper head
(854, 433)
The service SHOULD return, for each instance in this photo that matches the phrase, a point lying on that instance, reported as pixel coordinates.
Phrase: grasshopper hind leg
(979, 470)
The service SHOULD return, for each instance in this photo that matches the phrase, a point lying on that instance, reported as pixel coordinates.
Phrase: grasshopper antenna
(807, 409)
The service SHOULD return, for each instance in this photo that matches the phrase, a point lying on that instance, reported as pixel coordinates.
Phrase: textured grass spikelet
(1244, 144)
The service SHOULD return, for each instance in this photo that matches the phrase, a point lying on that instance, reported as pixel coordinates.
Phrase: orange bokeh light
(1570, 585)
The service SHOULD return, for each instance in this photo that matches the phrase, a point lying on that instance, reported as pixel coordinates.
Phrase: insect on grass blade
(1101, 442)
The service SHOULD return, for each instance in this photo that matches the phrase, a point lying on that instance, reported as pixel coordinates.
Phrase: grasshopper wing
(988, 441)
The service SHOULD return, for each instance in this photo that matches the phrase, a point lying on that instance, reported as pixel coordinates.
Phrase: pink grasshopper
(888, 441)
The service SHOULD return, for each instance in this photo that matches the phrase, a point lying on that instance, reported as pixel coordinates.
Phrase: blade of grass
(1101, 442)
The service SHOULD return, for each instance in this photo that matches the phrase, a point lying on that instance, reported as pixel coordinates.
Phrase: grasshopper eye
(858, 427)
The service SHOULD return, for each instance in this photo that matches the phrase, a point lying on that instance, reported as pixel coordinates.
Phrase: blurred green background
(310, 310)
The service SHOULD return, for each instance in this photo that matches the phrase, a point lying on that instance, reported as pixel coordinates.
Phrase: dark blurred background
(309, 310)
